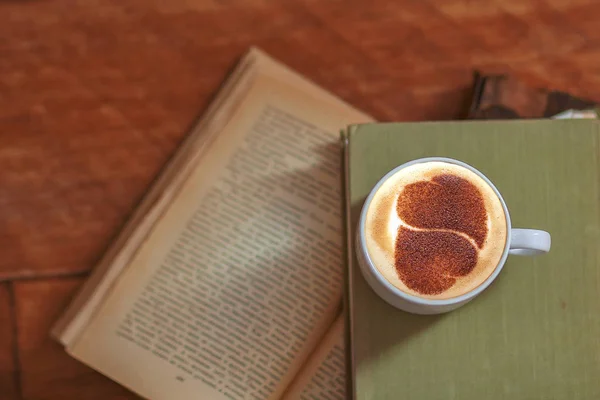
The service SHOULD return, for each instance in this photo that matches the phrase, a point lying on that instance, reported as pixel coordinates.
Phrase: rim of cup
(412, 298)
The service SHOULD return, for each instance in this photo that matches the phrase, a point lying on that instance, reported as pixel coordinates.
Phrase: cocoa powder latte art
(435, 230)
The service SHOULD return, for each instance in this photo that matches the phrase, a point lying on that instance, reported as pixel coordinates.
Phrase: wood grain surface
(8, 371)
(96, 95)
(46, 370)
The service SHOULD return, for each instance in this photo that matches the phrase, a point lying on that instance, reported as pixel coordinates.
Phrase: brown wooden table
(96, 95)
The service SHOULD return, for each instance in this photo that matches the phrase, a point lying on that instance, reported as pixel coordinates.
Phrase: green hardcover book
(535, 332)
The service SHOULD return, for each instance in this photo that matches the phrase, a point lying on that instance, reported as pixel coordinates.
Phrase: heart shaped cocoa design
(429, 258)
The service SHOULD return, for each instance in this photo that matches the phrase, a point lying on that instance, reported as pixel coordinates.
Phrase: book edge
(349, 335)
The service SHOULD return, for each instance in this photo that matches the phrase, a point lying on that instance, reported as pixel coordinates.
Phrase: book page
(242, 276)
(324, 375)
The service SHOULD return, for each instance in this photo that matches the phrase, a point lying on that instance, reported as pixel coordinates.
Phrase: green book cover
(535, 332)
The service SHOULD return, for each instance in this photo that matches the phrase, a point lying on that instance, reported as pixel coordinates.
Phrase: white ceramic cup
(518, 241)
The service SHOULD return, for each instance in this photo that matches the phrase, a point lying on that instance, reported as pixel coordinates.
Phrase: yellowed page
(242, 276)
(323, 377)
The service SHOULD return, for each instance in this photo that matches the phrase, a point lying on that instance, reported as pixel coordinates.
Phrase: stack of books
(235, 278)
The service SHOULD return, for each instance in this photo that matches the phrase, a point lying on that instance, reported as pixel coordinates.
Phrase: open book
(226, 283)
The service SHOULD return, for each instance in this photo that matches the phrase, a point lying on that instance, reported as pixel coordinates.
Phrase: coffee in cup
(436, 232)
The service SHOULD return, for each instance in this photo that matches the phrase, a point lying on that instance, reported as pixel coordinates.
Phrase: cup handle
(529, 242)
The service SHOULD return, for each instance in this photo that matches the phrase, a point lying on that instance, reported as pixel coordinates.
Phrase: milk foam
(383, 223)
